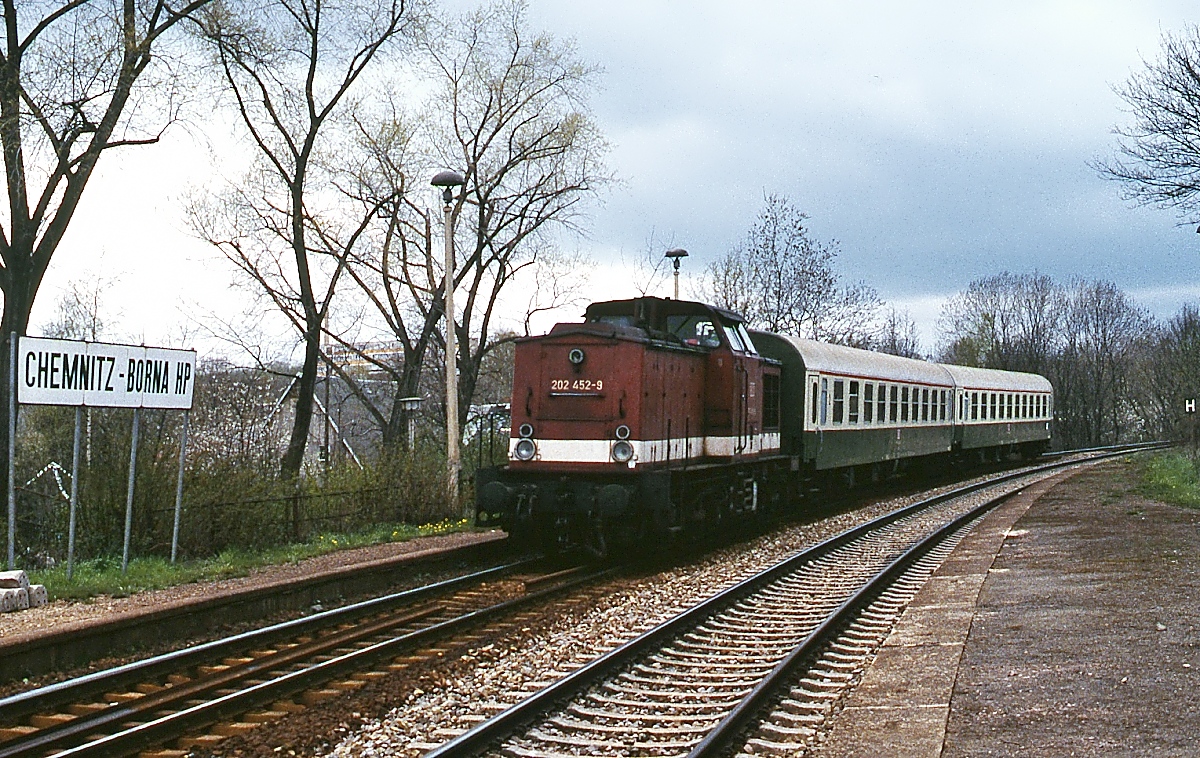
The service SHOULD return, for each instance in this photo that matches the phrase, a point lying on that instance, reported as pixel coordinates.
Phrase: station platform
(1065, 624)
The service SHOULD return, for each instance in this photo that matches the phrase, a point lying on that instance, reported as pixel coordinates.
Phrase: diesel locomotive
(657, 420)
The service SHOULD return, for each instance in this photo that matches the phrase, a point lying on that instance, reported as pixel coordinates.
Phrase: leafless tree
(291, 66)
(782, 280)
(510, 112)
(77, 78)
(1103, 333)
(1159, 155)
(1007, 321)
(898, 335)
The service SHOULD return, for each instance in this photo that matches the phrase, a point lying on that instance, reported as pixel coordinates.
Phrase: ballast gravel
(492, 677)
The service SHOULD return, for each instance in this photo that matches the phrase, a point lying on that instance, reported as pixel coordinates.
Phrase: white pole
(12, 443)
(451, 369)
(74, 492)
(179, 486)
(133, 446)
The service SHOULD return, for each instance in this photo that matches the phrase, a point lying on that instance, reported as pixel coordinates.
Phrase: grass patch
(102, 576)
(1171, 478)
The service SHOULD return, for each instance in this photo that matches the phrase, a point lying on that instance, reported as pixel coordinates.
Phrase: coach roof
(851, 361)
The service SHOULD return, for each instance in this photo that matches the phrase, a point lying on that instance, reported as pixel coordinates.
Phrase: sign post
(74, 493)
(99, 375)
(12, 451)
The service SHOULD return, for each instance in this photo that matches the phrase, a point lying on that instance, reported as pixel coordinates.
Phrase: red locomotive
(650, 418)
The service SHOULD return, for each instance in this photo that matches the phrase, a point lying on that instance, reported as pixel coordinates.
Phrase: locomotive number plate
(576, 386)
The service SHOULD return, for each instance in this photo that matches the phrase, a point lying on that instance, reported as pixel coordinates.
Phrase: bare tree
(782, 280)
(1102, 334)
(290, 66)
(1007, 321)
(1159, 155)
(898, 335)
(77, 78)
(510, 111)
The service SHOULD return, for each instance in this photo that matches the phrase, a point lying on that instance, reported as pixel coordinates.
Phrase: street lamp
(675, 255)
(448, 180)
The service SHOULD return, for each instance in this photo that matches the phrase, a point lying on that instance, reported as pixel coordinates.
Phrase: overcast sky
(937, 142)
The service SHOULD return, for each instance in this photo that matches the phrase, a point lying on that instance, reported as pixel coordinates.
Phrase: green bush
(1172, 478)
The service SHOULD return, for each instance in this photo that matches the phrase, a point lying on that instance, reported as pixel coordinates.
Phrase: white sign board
(68, 372)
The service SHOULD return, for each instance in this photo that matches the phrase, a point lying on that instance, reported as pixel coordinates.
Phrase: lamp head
(447, 180)
(675, 255)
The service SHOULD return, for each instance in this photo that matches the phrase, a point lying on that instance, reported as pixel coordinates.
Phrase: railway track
(754, 669)
(259, 676)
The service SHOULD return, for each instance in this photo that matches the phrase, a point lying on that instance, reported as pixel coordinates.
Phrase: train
(657, 421)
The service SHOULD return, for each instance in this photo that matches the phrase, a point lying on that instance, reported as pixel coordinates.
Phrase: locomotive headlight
(525, 450)
(622, 432)
(525, 431)
(622, 451)
(575, 356)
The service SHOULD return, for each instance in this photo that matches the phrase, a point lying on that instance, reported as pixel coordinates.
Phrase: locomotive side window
(892, 412)
(839, 401)
(853, 418)
(868, 402)
(745, 336)
(770, 401)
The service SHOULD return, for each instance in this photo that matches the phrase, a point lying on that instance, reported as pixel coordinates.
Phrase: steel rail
(16, 707)
(506, 722)
(157, 730)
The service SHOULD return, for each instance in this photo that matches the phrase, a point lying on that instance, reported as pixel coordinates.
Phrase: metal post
(74, 492)
(452, 457)
(325, 416)
(133, 446)
(183, 435)
(12, 448)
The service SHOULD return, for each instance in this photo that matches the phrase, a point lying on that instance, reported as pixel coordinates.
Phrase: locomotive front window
(694, 330)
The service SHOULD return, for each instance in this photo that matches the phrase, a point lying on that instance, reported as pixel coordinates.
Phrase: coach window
(992, 405)
(881, 404)
(925, 404)
(974, 406)
(942, 406)
(868, 402)
(904, 403)
(916, 404)
(895, 393)
(1010, 406)
(839, 400)
(824, 401)
(814, 403)
(853, 419)
(1024, 405)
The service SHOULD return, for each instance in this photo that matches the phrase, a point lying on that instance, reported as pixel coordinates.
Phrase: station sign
(101, 375)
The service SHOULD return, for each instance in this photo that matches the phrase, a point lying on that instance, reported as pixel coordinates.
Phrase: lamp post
(675, 255)
(448, 180)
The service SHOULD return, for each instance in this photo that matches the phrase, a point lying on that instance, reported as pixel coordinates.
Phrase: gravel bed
(60, 613)
(491, 677)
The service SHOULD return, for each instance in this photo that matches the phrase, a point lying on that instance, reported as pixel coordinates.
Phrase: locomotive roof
(664, 305)
(969, 377)
(851, 361)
